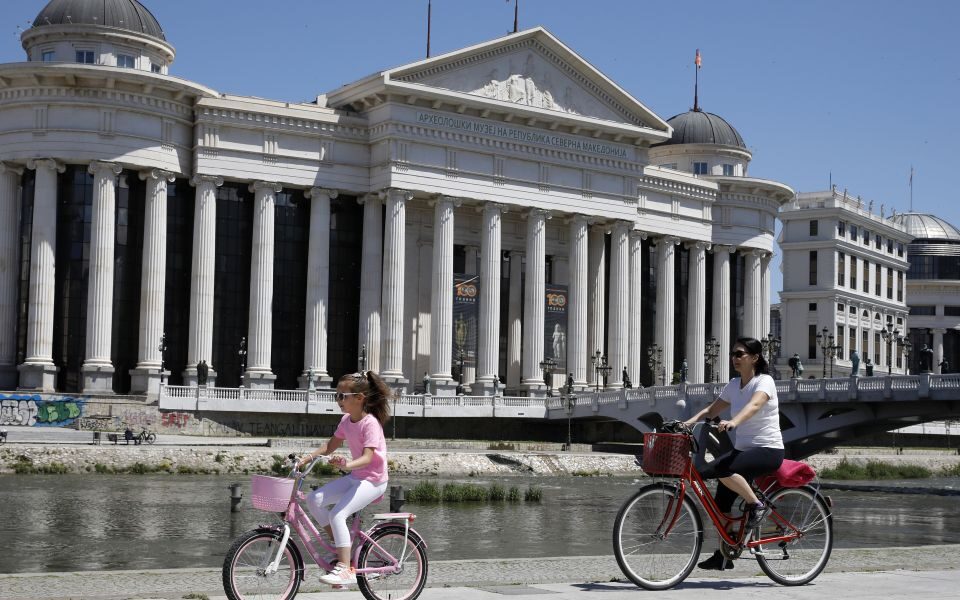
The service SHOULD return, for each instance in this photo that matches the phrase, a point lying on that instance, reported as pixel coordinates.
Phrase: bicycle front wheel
(244, 568)
(655, 551)
(151, 438)
(386, 548)
(798, 560)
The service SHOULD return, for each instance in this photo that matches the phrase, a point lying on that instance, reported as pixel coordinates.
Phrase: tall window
(876, 241)
(26, 234)
(890, 246)
(812, 341)
(878, 270)
(176, 312)
(853, 233)
(866, 237)
(889, 283)
(128, 261)
(841, 268)
(839, 342)
(865, 343)
(346, 250)
(700, 168)
(866, 277)
(899, 286)
(876, 348)
(841, 228)
(289, 287)
(85, 57)
(813, 268)
(853, 272)
(899, 249)
(814, 227)
(852, 341)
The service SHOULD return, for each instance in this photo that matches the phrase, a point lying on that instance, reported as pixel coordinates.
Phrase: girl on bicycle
(758, 449)
(364, 397)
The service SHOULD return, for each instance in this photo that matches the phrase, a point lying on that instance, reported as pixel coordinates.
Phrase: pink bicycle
(390, 557)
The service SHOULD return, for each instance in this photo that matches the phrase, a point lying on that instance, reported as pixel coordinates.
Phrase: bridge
(814, 413)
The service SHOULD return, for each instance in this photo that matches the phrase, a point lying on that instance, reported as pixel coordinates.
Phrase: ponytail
(376, 393)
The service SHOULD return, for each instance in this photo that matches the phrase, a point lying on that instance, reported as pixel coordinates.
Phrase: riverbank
(924, 569)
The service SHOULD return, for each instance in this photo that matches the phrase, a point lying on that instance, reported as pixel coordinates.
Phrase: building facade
(473, 217)
(844, 285)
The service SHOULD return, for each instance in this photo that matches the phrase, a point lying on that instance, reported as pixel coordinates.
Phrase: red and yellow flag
(697, 60)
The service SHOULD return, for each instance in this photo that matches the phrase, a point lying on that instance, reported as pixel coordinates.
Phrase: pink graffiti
(174, 419)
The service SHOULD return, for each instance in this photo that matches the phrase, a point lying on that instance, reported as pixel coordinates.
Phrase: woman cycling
(758, 446)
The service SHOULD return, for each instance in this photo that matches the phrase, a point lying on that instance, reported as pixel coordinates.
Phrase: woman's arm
(716, 407)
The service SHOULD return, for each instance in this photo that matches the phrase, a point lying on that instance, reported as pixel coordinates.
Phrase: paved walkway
(851, 574)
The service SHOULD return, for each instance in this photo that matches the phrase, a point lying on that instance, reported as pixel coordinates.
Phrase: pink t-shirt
(365, 433)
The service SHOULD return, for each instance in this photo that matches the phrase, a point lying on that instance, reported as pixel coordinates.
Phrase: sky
(855, 92)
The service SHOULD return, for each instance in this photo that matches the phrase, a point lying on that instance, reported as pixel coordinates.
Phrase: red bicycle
(658, 532)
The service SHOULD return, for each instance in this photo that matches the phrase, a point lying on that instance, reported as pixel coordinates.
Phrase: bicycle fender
(411, 532)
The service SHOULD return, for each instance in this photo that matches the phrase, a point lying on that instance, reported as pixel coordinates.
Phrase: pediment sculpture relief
(528, 87)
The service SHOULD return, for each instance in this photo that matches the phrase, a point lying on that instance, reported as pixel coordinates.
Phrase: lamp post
(712, 353)
(242, 353)
(569, 402)
(771, 346)
(825, 341)
(162, 347)
(362, 359)
(600, 367)
(460, 359)
(906, 346)
(548, 366)
(834, 349)
(889, 335)
(655, 360)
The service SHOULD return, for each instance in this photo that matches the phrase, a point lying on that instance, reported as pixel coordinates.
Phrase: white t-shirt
(762, 430)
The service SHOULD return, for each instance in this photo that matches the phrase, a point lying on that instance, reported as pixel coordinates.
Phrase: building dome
(698, 127)
(927, 227)
(120, 14)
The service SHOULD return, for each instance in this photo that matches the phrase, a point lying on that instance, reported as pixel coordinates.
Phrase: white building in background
(463, 216)
(844, 270)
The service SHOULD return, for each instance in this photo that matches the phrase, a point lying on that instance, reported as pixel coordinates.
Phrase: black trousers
(750, 463)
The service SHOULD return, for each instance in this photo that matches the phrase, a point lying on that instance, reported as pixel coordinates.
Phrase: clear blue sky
(862, 89)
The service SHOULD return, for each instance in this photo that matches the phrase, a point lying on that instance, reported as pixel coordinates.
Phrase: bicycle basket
(666, 453)
(270, 493)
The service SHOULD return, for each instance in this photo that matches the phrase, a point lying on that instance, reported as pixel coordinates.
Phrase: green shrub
(513, 494)
(951, 471)
(501, 446)
(874, 470)
(102, 469)
(497, 493)
(220, 457)
(424, 492)
(533, 494)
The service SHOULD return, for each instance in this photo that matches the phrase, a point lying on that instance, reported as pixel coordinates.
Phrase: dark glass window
(728, 170)
(899, 249)
(876, 241)
(853, 232)
(839, 342)
(866, 276)
(700, 168)
(814, 227)
(853, 272)
(26, 235)
(923, 310)
(127, 268)
(890, 246)
(877, 272)
(176, 312)
(841, 268)
(231, 283)
(812, 306)
(876, 348)
(840, 308)
(813, 268)
(841, 228)
(85, 57)
(290, 287)
(890, 283)
(346, 249)
(899, 286)
(811, 341)
(738, 269)
(951, 311)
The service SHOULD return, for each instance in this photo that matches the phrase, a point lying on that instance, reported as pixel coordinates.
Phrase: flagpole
(429, 11)
(911, 188)
(696, 82)
(516, 12)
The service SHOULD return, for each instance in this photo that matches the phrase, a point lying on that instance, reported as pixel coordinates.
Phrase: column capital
(158, 174)
(539, 212)
(271, 186)
(623, 225)
(216, 180)
(8, 167)
(99, 166)
(697, 245)
(668, 240)
(637, 234)
(493, 206)
(753, 252)
(371, 197)
(396, 194)
(316, 192)
(940, 331)
(720, 248)
(46, 163)
(444, 199)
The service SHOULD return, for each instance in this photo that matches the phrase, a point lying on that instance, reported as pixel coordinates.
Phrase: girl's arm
(332, 444)
(361, 461)
(716, 407)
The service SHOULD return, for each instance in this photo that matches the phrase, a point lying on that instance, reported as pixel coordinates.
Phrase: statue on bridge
(796, 366)
(683, 371)
(855, 361)
(627, 384)
(868, 366)
(202, 372)
(944, 366)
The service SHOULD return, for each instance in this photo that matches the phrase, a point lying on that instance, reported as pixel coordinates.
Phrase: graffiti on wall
(174, 419)
(35, 410)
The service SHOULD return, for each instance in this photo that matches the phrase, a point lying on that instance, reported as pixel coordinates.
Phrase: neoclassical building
(475, 215)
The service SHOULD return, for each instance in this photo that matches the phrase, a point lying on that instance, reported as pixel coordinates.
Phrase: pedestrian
(944, 366)
(365, 400)
(758, 450)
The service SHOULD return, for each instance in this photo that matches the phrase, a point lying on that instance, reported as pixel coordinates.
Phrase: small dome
(120, 14)
(698, 127)
(927, 227)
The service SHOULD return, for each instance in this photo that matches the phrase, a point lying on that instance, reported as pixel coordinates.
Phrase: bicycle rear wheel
(649, 556)
(388, 544)
(244, 576)
(801, 559)
(151, 438)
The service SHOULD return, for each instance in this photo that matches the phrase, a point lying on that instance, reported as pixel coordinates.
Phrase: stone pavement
(851, 574)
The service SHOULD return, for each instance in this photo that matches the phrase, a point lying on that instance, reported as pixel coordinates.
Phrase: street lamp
(460, 360)
(548, 366)
(906, 346)
(833, 349)
(654, 361)
(600, 367)
(569, 402)
(889, 335)
(712, 353)
(362, 359)
(162, 348)
(825, 341)
(242, 353)
(771, 346)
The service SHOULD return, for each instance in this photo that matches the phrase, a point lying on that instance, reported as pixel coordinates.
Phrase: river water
(105, 522)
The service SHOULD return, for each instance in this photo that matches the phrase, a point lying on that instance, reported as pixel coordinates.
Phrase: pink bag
(791, 474)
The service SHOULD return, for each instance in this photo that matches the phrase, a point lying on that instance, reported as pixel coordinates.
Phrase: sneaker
(341, 575)
(758, 513)
(717, 562)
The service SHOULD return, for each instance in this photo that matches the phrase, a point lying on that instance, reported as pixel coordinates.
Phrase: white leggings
(347, 496)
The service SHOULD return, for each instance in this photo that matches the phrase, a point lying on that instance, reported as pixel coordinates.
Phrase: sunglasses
(738, 354)
(340, 396)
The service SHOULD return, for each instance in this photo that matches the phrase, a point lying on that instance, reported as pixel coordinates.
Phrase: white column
(200, 340)
(147, 375)
(489, 325)
(441, 298)
(394, 246)
(38, 371)
(721, 309)
(665, 307)
(577, 349)
(752, 279)
(696, 345)
(260, 319)
(635, 344)
(765, 295)
(9, 271)
(318, 289)
(371, 266)
(471, 260)
(596, 292)
(618, 333)
(534, 297)
(937, 349)
(514, 325)
(97, 367)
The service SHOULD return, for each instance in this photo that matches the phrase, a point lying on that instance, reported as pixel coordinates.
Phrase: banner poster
(466, 298)
(555, 327)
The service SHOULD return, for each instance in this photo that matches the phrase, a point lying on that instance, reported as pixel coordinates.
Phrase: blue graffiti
(35, 410)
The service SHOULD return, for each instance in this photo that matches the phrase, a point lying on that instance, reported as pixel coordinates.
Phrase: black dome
(121, 14)
(698, 127)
